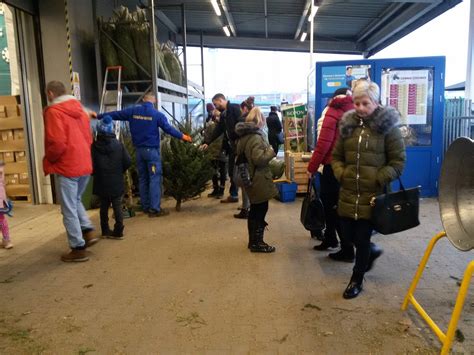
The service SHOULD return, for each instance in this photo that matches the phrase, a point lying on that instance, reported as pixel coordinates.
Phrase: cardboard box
(1, 156)
(12, 179)
(4, 136)
(3, 111)
(20, 156)
(24, 178)
(8, 100)
(18, 134)
(7, 136)
(9, 157)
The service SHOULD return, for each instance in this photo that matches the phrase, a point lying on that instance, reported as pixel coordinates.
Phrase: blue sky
(236, 72)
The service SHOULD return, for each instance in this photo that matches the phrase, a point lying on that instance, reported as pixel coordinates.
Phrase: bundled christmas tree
(186, 169)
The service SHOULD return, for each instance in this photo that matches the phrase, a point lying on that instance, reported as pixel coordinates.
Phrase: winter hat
(105, 125)
(210, 107)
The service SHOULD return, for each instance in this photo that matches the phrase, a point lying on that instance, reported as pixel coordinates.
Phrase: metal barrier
(458, 121)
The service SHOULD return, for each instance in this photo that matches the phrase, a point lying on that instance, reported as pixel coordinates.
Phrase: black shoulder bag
(396, 211)
(312, 211)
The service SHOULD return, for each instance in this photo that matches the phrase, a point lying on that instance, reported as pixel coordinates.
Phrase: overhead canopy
(341, 26)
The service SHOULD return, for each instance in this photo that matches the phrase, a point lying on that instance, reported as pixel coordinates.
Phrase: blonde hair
(366, 88)
(256, 116)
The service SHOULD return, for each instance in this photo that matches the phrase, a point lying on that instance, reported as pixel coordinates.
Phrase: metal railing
(458, 121)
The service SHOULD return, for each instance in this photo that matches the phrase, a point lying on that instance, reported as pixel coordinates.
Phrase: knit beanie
(105, 125)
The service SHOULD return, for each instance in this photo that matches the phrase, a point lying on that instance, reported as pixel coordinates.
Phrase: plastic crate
(287, 191)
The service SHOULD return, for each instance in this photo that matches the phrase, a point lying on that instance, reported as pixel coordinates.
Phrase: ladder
(111, 99)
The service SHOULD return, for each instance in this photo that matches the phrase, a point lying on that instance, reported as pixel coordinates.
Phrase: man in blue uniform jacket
(145, 122)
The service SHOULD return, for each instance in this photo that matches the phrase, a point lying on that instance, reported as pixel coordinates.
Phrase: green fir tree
(186, 169)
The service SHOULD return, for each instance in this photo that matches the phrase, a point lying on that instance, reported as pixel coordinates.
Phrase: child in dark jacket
(110, 160)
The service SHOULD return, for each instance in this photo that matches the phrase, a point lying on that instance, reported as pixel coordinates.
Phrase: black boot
(328, 242)
(375, 252)
(260, 246)
(106, 230)
(243, 214)
(346, 254)
(252, 227)
(214, 192)
(220, 192)
(117, 233)
(354, 287)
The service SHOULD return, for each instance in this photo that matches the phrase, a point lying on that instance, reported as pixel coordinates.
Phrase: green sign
(5, 76)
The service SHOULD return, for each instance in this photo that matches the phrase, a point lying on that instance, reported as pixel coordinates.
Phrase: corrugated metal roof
(350, 26)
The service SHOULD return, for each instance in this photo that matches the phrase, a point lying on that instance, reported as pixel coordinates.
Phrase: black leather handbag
(396, 211)
(312, 211)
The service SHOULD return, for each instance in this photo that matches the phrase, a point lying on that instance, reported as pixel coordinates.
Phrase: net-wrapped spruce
(123, 36)
(107, 48)
(140, 31)
(173, 64)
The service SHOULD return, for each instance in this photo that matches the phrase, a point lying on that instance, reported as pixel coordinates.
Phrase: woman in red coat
(340, 103)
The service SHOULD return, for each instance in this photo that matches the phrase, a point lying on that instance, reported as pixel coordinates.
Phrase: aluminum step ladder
(111, 99)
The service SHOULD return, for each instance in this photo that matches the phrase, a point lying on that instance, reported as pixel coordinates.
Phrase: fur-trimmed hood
(382, 120)
(245, 128)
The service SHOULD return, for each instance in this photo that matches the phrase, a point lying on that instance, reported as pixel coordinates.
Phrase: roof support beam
(299, 29)
(228, 15)
(273, 44)
(160, 15)
(374, 25)
(266, 18)
(413, 13)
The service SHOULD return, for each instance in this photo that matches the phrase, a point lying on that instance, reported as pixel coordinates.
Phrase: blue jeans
(75, 218)
(149, 177)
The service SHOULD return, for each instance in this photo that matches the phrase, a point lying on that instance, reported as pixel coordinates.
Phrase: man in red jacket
(340, 103)
(68, 142)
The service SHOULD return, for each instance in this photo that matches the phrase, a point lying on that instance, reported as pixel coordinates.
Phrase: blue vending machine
(415, 86)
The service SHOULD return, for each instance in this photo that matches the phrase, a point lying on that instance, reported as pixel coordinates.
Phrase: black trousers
(258, 211)
(274, 143)
(116, 203)
(234, 192)
(220, 173)
(359, 233)
(330, 197)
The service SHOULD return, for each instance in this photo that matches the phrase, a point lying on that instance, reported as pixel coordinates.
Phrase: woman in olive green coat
(258, 153)
(369, 154)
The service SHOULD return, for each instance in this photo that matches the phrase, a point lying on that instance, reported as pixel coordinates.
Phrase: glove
(187, 138)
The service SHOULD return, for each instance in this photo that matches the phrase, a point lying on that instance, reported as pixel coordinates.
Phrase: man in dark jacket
(274, 129)
(145, 122)
(110, 161)
(230, 116)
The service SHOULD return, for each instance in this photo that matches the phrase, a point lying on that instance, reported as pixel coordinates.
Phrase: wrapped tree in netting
(163, 72)
(173, 64)
(107, 48)
(140, 31)
(123, 36)
(186, 169)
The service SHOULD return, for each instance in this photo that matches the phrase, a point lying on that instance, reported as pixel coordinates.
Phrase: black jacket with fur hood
(369, 154)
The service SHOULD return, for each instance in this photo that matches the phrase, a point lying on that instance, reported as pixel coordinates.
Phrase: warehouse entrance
(21, 134)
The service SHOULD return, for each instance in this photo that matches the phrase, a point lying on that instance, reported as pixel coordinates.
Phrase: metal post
(185, 60)
(311, 40)
(469, 88)
(266, 18)
(154, 66)
(202, 75)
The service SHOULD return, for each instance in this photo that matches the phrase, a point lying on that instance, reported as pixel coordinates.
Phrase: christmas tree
(186, 169)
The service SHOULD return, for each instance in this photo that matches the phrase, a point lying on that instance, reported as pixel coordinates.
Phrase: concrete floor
(187, 284)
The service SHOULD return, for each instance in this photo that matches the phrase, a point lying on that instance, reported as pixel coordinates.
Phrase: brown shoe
(75, 256)
(230, 199)
(89, 237)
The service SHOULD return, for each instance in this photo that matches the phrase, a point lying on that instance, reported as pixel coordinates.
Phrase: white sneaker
(7, 244)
